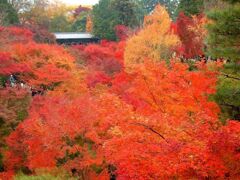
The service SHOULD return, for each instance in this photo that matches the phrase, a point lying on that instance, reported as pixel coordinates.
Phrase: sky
(82, 2)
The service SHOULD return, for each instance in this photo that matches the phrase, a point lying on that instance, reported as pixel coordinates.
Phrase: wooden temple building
(74, 38)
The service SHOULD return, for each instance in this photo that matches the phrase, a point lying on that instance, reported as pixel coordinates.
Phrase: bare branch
(151, 129)
(230, 76)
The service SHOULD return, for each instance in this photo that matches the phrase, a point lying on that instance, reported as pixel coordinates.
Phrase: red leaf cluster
(167, 123)
(80, 9)
(10, 35)
(68, 133)
(191, 33)
(45, 64)
(122, 32)
(7, 175)
(103, 60)
(9, 66)
(153, 122)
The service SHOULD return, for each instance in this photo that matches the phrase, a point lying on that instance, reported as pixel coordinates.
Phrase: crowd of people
(14, 82)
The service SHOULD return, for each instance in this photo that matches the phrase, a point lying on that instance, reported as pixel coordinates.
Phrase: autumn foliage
(179, 138)
(46, 64)
(80, 9)
(155, 41)
(192, 34)
(104, 60)
(8, 65)
(114, 110)
(11, 35)
(89, 24)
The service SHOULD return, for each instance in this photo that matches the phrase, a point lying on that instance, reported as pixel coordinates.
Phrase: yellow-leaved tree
(89, 24)
(156, 41)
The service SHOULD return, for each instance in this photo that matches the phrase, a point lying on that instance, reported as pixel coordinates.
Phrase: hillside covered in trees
(157, 98)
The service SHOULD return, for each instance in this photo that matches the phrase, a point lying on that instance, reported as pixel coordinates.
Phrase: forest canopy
(158, 97)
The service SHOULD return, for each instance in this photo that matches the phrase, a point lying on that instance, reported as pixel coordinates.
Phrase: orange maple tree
(9, 66)
(101, 121)
(45, 64)
(11, 35)
(175, 135)
(173, 130)
(67, 133)
(155, 41)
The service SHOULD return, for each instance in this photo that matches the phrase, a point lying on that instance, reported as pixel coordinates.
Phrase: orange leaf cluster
(11, 35)
(46, 64)
(166, 128)
(101, 120)
(154, 42)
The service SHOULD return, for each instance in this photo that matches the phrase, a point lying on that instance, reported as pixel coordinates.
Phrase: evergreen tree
(8, 14)
(80, 24)
(224, 33)
(149, 5)
(125, 11)
(104, 20)
(191, 7)
(232, 1)
(59, 24)
(213, 4)
(223, 42)
(109, 13)
(80, 19)
(228, 92)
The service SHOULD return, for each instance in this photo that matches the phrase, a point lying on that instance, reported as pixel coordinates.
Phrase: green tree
(149, 5)
(37, 14)
(224, 33)
(223, 42)
(125, 11)
(80, 22)
(59, 24)
(213, 4)
(104, 20)
(228, 92)
(191, 7)
(109, 13)
(8, 14)
(231, 1)
(21, 5)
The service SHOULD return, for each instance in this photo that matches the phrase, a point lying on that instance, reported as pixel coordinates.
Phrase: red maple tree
(191, 33)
